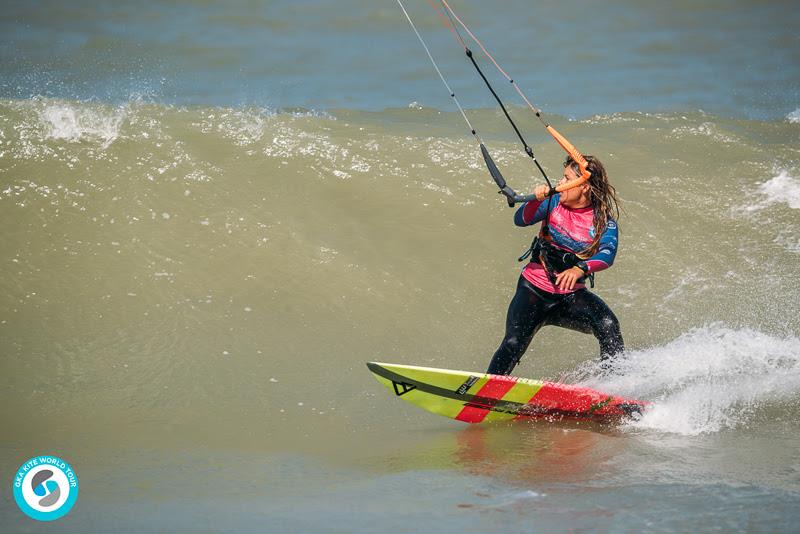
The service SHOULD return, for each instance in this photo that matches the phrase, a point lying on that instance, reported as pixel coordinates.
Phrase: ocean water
(214, 214)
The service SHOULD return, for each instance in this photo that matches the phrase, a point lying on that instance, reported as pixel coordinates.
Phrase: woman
(578, 238)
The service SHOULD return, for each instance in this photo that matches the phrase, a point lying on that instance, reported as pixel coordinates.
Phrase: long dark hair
(603, 195)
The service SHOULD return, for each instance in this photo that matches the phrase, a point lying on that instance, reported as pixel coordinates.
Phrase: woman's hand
(541, 192)
(565, 280)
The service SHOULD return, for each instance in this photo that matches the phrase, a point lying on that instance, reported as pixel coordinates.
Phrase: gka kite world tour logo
(45, 488)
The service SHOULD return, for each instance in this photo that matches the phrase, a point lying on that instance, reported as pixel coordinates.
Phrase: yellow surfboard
(479, 397)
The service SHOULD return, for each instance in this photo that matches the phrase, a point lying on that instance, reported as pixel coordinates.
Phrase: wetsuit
(538, 301)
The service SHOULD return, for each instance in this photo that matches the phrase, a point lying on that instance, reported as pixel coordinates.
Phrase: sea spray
(709, 379)
(782, 188)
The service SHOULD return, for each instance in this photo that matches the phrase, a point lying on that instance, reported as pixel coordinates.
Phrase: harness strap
(553, 259)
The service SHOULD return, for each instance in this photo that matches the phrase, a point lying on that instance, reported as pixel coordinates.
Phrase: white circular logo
(45, 488)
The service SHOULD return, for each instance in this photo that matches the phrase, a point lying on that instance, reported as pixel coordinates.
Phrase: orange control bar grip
(577, 156)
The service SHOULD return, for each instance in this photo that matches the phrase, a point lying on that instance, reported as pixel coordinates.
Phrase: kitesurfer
(578, 238)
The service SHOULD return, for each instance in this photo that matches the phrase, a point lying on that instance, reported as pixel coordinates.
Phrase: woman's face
(573, 197)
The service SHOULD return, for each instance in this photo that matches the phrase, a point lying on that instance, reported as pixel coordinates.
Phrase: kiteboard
(478, 397)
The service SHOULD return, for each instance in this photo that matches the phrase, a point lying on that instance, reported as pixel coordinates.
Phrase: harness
(552, 258)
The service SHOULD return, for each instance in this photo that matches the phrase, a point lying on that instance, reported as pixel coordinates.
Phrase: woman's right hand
(541, 192)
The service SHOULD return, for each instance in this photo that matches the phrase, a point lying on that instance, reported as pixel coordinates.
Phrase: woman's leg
(526, 314)
(586, 312)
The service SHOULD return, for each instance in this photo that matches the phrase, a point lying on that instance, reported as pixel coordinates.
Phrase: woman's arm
(607, 250)
(534, 211)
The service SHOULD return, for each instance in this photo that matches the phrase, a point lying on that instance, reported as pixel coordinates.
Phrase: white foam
(706, 129)
(794, 116)
(708, 379)
(75, 122)
(788, 241)
(782, 188)
(243, 127)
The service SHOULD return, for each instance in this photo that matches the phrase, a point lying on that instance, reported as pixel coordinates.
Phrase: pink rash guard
(572, 230)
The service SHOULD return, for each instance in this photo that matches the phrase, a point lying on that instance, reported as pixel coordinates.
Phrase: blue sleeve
(607, 249)
(534, 211)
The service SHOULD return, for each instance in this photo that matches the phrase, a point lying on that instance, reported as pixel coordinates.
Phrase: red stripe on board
(495, 388)
(564, 397)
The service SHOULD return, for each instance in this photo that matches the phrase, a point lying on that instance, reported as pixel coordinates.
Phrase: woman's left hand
(565, 280)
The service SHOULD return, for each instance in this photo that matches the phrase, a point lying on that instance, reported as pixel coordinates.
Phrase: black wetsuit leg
(526, 314)
(586, 312)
